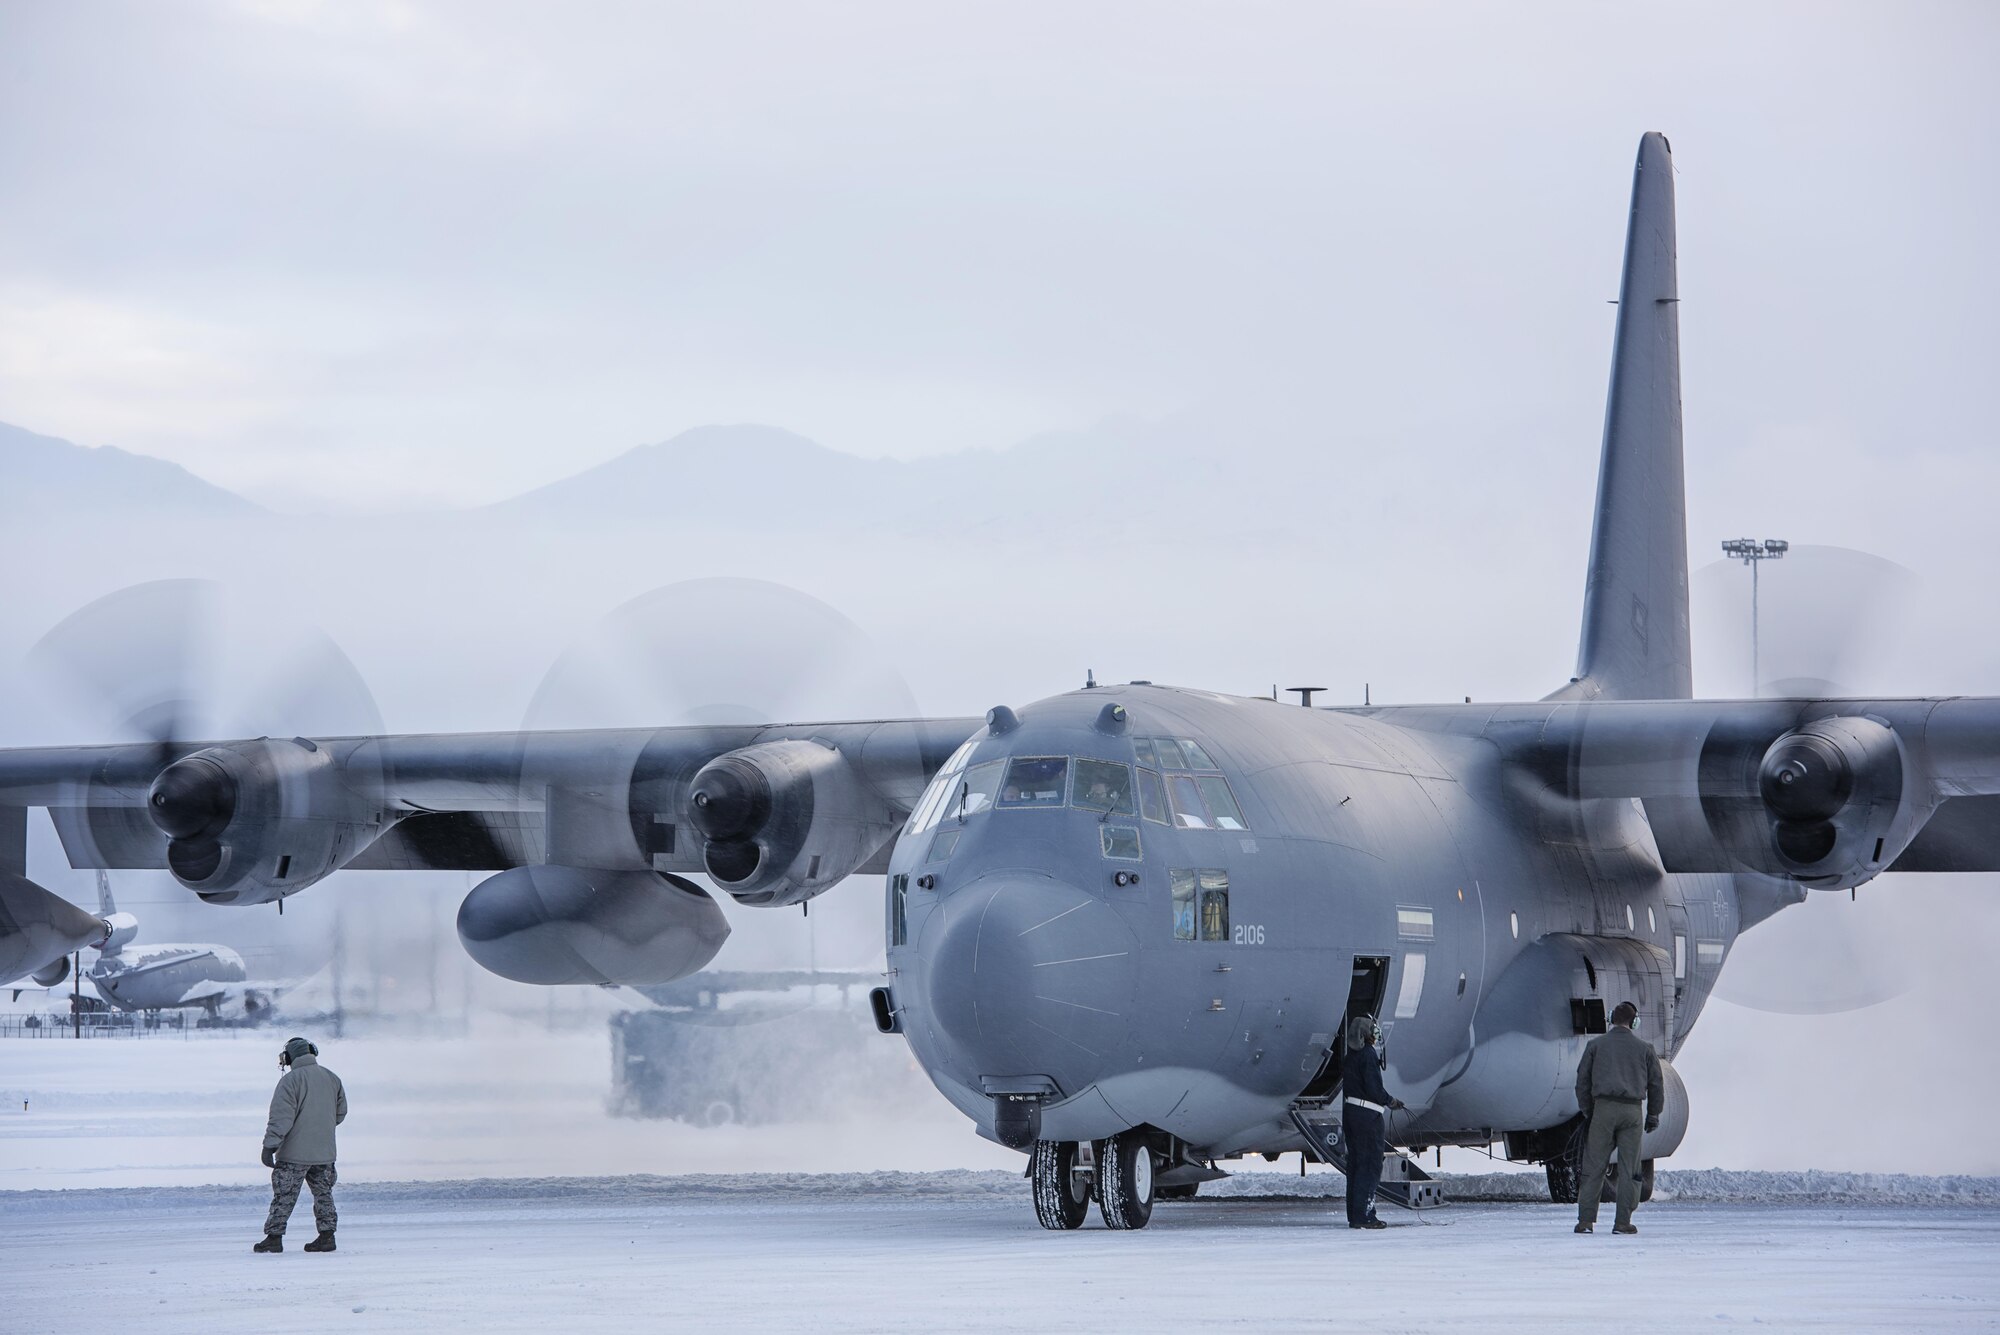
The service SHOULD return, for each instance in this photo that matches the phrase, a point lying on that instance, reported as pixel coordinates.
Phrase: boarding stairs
(1403, 1184)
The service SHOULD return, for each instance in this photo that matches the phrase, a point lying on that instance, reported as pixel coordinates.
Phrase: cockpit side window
(925, 814)
(1222, 808)
(975, 792)
(1190, 812)
(1103, 785)
(1143, 748)
(1035, 781)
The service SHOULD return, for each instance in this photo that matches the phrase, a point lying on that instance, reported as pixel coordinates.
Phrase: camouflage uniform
(285, 1181)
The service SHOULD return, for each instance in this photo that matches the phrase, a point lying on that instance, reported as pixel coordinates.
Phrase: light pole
(1751, 552)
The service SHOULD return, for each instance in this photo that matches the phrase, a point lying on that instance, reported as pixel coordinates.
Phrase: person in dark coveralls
(1618, 1087)
(307, 1105)
(1365, 1104)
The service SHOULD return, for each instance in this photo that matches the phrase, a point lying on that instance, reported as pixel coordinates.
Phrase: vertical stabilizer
(105, 906)
(1635, 601)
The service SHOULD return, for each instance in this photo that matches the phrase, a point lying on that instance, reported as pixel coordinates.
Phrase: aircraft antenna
(1306, 693)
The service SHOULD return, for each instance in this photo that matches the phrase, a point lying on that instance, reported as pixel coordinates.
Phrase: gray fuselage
(1192, 974)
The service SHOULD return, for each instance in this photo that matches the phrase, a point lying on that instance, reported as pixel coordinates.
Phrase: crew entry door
(1368, 982)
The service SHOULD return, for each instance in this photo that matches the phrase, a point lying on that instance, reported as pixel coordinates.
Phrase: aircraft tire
(1566, 1165)
(1062, 1196)
(1125, 1181)
(1562, 1180)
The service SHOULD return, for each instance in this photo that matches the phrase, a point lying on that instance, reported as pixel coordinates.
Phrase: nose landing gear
(1117, 1173)
(1062, 1184)
(1125, 1180)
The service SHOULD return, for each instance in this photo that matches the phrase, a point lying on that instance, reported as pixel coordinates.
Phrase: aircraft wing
(604, 822)
(1827, 792)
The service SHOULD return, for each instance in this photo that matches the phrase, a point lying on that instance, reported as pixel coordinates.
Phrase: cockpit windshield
(1103, 785)
(1035, 781)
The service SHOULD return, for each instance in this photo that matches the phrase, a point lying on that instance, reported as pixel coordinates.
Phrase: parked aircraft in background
(171, 976)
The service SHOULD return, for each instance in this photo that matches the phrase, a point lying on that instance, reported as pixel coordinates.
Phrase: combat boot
(1624, 1228)
(273, 1242)
(322, 1243)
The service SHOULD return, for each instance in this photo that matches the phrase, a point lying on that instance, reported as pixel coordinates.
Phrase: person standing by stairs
(1365, 1105)
(298, 1144)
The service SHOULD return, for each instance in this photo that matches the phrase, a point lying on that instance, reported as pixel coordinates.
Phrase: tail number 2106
(1249, 934)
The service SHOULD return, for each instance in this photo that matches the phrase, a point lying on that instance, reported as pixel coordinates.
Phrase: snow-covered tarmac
(484, 1186)
(960, 1251)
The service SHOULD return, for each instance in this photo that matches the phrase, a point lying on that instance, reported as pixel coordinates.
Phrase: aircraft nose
(1030, 976)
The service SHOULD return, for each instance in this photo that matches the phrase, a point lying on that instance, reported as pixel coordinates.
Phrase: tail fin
(105, 906)
(1635, 602)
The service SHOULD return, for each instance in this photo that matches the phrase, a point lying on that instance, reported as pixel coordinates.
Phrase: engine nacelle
(1830, 808)
(785, 820)
(53, 975)
(251, 822)
(551, 924)
(120, 929)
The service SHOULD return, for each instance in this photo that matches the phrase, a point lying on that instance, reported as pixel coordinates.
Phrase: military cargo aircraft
(1125, 925)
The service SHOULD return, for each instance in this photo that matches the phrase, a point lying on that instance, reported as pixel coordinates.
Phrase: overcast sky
(380, 254)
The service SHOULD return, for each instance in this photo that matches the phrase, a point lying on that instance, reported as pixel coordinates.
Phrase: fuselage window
(1121, 841)
(1183, 882)
(1152, 797)
(1035, 781)
(1414, 923)
(946, 841)
(1680, 956)
(1411, 994)
(1103, 785)
(1708, 954)
(1214, 904)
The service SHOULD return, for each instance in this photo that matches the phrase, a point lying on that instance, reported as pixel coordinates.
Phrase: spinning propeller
(726, 651)
(171, 664)
(1827, 619)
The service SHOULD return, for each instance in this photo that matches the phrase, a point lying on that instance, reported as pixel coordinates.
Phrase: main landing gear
(1566, 1165)
(1117, 1173)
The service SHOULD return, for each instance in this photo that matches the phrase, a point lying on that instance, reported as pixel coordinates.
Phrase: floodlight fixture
(1753, 553)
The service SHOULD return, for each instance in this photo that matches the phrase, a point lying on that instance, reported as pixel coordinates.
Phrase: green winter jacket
(1619, 1064)
(305, 1108)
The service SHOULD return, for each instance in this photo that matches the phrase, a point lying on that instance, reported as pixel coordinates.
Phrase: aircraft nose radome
(1031, 976)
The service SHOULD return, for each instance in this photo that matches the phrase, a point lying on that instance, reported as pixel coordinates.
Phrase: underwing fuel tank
(550, 925)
